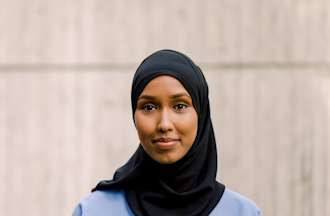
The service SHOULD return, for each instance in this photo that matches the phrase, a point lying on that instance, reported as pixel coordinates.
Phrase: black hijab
(187, 187)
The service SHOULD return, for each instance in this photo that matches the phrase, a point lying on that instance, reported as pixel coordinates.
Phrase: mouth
(165, 143)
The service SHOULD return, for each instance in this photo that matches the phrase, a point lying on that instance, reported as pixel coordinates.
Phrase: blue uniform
(113, 203)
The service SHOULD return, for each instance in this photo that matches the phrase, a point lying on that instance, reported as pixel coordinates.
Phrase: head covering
(188, 186)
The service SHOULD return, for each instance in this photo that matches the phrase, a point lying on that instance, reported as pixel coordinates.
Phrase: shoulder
(235, 204)
(100, 203)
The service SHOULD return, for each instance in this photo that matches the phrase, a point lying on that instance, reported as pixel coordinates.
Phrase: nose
(165, 123)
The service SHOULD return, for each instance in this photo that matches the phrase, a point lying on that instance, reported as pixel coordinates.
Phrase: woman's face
(166, 120)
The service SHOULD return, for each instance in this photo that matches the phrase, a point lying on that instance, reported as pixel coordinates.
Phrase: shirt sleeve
(259, 212)
(77, 211)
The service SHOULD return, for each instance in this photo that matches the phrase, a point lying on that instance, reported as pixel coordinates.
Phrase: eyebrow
(175, 96)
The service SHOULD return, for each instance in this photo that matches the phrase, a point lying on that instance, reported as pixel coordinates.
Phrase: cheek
(187, 126)
(143, 126)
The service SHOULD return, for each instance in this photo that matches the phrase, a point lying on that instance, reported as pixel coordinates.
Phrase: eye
(149, 107)
(180, 106)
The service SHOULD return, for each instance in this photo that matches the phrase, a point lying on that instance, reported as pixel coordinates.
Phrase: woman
(173, 171)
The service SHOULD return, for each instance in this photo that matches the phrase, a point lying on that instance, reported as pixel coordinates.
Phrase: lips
(165, 142)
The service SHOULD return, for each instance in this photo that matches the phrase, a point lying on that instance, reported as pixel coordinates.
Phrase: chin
(166, 160)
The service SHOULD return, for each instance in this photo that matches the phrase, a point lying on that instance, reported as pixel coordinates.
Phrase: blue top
(108, 203)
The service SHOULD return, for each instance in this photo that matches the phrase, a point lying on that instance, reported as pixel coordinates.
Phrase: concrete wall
(65, 75)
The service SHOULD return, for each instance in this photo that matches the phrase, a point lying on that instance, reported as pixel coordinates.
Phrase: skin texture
(166, 120)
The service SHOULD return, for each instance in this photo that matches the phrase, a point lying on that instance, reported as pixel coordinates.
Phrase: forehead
(164, 84)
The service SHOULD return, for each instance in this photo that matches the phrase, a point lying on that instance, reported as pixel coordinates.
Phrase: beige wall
(65, 75)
